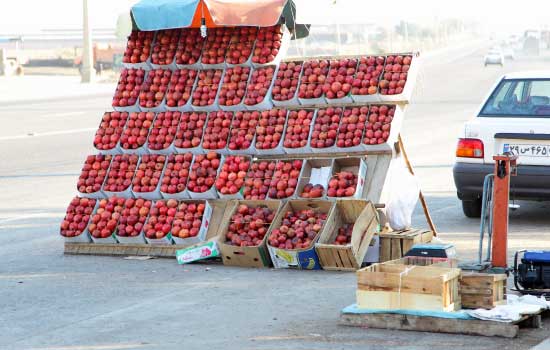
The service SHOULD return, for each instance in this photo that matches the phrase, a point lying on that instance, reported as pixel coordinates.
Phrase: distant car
(494, 57)
(515, 119)
(508, 53)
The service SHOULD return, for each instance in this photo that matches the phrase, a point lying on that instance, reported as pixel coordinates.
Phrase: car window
(497, 98)
(518, 92)
(519, 98)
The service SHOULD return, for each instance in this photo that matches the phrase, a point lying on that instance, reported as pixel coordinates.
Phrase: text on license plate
(527, 150)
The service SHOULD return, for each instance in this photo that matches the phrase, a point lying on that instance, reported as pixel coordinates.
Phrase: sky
(31, 16)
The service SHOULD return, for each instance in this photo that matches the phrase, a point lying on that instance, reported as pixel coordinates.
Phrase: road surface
(52, 301)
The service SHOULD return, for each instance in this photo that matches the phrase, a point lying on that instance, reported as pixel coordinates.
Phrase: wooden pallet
(160, 251)
(395, 244)
(440, 325)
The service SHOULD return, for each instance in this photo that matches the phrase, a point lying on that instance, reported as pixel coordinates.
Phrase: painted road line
(15, 176)
(32, 216)
(48, 133)
(66, 114)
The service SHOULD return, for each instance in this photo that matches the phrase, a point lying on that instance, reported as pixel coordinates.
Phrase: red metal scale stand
(505, 167)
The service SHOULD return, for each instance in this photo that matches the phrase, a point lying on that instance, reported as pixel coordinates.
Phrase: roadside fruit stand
(217, 145)
(216, 136)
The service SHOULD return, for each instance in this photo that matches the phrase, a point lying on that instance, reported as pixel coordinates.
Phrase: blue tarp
(461, 315)
(164, 14)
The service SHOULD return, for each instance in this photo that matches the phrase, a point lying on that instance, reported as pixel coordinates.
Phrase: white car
(508, 53)
(514, 118)
(494, 57)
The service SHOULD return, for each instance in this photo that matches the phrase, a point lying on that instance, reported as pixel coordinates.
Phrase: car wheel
(472, 208)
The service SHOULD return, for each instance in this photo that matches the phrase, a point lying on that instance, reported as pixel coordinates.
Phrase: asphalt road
(52, 301)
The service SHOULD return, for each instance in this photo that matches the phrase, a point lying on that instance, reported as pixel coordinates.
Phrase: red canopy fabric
(262, 13)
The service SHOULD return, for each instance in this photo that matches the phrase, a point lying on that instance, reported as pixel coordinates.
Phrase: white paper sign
(320, 176)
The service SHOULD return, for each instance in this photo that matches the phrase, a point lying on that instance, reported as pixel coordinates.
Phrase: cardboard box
(198, 252)
(355, 165)
(315, 171)
(348, 257)
(257, 256)
(305, 258)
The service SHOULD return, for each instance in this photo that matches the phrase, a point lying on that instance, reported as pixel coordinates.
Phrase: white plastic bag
(403, 195)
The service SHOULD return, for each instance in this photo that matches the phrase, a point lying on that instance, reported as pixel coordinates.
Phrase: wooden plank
(333, 57)
(113, 249)
(376, 188)
(411, 233)
(324, 258)
(371, 169)
(420, 195)
(383, 153)
(398, 282)
(396, 250)
(407, 244)
(385, 249)
(401, 300)
(476, 291)
(424, 287)
(427, 236)
(346, 255)
(479, 301)
(419, 271)
(350, 269)
(399, 234)
(423, 261)
(430, 324)
(336, 258)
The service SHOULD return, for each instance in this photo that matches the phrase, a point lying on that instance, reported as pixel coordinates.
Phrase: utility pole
(338, 39)
(406, 33)
(88, 71)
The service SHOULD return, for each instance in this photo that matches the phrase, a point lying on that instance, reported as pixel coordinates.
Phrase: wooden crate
(424, 261)
(395, 244)
(482, 290)
(392, 286)
(348, 257)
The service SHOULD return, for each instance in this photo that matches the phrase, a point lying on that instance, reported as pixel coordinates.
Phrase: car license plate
(527, 150)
